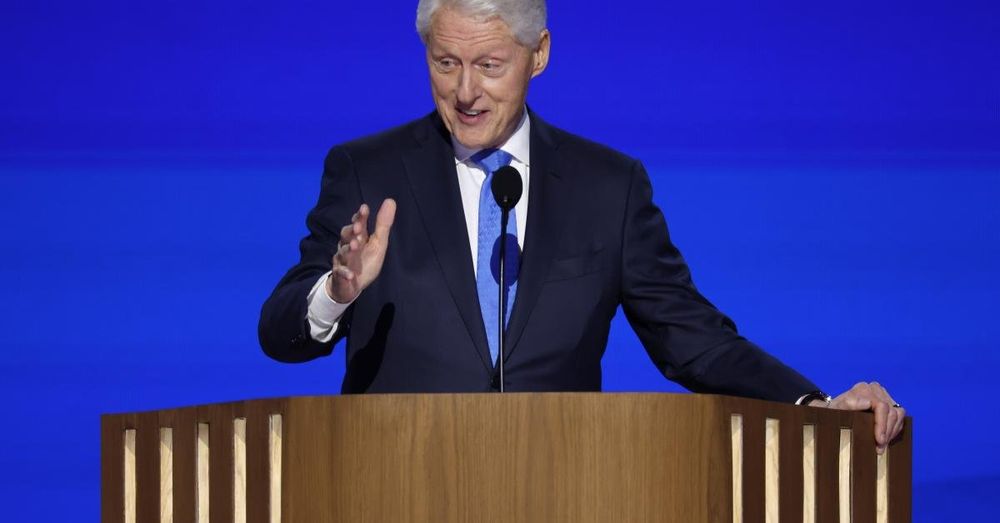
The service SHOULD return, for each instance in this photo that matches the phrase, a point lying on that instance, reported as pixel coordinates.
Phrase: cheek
(439, 86)
(508, 89)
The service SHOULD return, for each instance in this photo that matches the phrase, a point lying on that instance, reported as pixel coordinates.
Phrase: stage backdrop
(830, 170)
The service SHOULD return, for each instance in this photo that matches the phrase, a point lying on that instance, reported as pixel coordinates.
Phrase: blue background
(830, 171)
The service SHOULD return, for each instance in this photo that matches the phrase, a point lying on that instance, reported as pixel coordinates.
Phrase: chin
(471, 140)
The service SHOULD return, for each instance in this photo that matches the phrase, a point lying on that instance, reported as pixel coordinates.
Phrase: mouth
(471, 116)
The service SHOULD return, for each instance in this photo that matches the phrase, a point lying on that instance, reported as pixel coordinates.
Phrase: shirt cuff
(324, 313)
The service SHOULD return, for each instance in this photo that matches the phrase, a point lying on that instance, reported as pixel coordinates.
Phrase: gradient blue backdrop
(830, 170)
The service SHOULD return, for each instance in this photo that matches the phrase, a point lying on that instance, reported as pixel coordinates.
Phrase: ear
(541, 54)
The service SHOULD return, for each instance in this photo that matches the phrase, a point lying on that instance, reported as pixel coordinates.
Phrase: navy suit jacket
(594, 241)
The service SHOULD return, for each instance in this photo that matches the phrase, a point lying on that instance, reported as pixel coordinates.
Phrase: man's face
(479, 76)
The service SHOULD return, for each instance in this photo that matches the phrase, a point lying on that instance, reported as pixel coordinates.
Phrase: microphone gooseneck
(507, 189)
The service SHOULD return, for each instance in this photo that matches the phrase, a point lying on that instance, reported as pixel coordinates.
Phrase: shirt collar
(516, 145)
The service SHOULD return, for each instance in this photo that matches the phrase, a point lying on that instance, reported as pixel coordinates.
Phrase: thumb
(384, 219)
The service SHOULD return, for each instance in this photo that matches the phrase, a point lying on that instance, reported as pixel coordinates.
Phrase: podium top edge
(279, 402)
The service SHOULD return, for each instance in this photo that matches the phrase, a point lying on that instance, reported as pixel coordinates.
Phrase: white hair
(526, 18)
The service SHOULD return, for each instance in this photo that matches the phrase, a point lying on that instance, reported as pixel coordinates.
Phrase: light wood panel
(274, 455)
(844, 477)
(736, 438)
(129, 489)
(882, 489)
(183, 426)
(166, 475)
(809, 474)
(240, 470)
(521, 457)
(772, 469)
(203, 480)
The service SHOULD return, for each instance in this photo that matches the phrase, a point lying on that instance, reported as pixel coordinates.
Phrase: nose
(468, 87)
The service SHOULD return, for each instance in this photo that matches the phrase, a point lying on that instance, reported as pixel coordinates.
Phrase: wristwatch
(815, 395)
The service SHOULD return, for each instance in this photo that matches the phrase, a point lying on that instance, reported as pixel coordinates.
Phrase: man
(418, 310)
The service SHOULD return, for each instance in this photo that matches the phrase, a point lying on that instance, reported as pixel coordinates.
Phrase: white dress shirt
(324, 313)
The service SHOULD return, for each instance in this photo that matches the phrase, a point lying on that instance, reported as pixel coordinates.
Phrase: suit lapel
(547, 214)
(430, 169)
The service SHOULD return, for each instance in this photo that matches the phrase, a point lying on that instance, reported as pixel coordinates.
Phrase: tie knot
(491, 159)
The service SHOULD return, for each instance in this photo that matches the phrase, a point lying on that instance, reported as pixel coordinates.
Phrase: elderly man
(417, 308)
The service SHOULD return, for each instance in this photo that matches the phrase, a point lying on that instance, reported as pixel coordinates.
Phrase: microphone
(507, 188)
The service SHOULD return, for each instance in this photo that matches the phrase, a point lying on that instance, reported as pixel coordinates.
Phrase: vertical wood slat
(808, 473)
(863, 470)
(827, 467)
(166, 475)
(183, 428)
(900, 475)
(112, 469)
(736, 440)
(790, 464)
(844, 476)
(772, 470)
(129, 490)
(258, 461)
(276, 449)
(203, 483)
(753, 467)
(220, 423)
(240, 470)
(147, 466)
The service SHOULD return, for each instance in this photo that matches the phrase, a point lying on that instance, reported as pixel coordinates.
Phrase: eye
(491, 67)
(446, 64)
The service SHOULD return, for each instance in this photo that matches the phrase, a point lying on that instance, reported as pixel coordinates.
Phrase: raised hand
(359, 255)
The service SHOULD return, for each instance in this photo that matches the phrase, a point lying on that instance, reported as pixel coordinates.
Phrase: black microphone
(507, 188)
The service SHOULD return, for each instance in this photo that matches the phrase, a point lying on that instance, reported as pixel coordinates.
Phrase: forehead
(451, 29)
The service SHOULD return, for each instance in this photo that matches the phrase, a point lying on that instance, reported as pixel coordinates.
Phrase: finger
(897, 415)
(881, 393)
(881, 420)
(343, 255)
(359, 222)
(361, 231)
(385, 218)
(891, 421)
(900, 422)
(347, 233)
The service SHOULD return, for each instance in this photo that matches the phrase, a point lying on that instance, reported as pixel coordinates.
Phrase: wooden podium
(552, 457)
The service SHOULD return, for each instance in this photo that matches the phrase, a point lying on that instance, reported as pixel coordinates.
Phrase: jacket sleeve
(283, 329)
(690, 341)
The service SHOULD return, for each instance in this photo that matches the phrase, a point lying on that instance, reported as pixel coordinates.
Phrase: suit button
(298, 341)
(495, 382)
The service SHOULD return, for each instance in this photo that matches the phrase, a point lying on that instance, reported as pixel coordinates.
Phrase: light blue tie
(488, 255)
